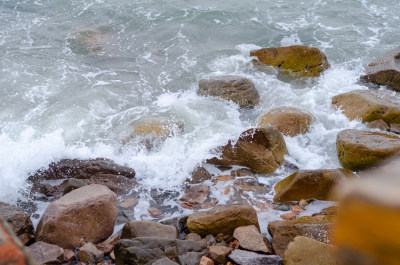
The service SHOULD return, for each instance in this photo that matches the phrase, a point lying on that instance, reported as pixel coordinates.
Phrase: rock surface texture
(311, 184)
(299, 60)
(86, 214)
(370, 105)
(385, 70)
(359, 150)
(45, 253)
(261, 149)
(288, 120)
(243, 257)
(20, 222)
(222, 219)
(251, 239)
(230, 87)
(133, 229)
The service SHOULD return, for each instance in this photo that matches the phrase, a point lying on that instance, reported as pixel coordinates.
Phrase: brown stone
(193, 236)
(154, 212)
(222, 219)
(242, 172)
(284, 232)
(369, 105)
(199, 175)
(20, 222)
(308, 184)
(359, 150)
(251, 239)
(157, 128)
(395, 128)
(385, 70)
(196, 194)
(288, 120)
(86, 214)
(379, 124)
(89, 254)
(261, 149)
(108, 245)
(69, 255)
(296, 209)
(134, 229)
(297, 60)
(129, 202)
(45, 253)
(303, 203)
(206, 261)
(235, 88)
(288, 216)
(224, 178)
(219, 253)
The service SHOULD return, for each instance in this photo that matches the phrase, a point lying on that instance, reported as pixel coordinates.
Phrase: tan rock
(308, 184)
(206, 261)
(89, 254)
(154, 212)
(193, 236)
(303, 203)
(288, 216)
(297, 60)
(288, 120)
(219, 253)
(196, 194)
(261, 149)
(224, 178)
(86, 214)
(133, 229)
(379, 124)
(395, 128)
(129, 202)
(222, 219)
(157, 128)
(296, 209)
(307, 251)
(358, 149)
(199, 175)
(230, 87)
(69, 255)
(45, 253)
(251, 239)
(369, 105)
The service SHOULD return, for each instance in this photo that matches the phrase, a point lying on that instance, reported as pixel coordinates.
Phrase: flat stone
(45, 253)
(199, 175)
(73, 184)
(243, 257)
(133, 229)
(196, 194)
(89, 254)
(379, 124)
(165, 261)
(251, 239)
(219, 254)
(288, 216)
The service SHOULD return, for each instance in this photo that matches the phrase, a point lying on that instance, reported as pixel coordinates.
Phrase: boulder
(297, 60)
(89, 254)
(222, 219)
(48, 254)
(242, 257)
(311, 184)
(146, 250)
(20, 222)
(133, 229)
(284, 232)
(307, 251)
(251, 239)
(219, 254)
(230, 87)
(288, 120)
(385, 70)
(93, 171)
(369, 105)
(260, 149)
(86, 214)
(358, 149)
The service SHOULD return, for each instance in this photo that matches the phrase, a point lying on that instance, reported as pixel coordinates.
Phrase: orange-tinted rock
(251, 239)
(196, 194)
(20, 222)
(45, 253)
(288, 216)
(219, 253)
(206, 261)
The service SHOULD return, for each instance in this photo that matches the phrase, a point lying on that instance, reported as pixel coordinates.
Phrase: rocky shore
(90, 216)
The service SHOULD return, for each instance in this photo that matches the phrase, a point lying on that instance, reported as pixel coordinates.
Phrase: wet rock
(303, 203)
(219, 254)
(288, 216)
(222, 219)
(133, 229)
(86, 214)
(190, 258)
(146, 250)
(284, 232)
(307, 184)
(206, 261)
(129, 202)
(358, 149)
(242, 172)
(395, 128)
(108, 245)
(89, 254)
(261, 149)
(180, 223)
(93, 171)
(199, 175)
(369, 105)
(235, 88)
(45, 253)
(243, 257)
(193, 236)
(157, 128)
(288, 120)
(307, 251)
(73, 184)
(379, 124)
(89, 40)
(385, 70)
(12, 251)
(251, 239)
(297, 60)
(196, 194)
(154, 212)
(165, 261)
(282, 207)
(19, 221)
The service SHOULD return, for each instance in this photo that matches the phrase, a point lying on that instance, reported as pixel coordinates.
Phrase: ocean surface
(76, 75)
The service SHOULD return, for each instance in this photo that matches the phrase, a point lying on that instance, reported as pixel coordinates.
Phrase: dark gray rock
(146, 250)
(242, 257)
(191, 258)
(73, 184)
(45, 253)
(165, 261)
(133, 229)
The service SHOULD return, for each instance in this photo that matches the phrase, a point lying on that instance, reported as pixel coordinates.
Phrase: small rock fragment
(219, 253)
(288, 216)
(45, 253)
(206, 261)
(89, 254)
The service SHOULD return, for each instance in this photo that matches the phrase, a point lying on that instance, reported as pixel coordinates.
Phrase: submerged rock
(242, 257)
(298, 60)
(284, 232)
(235, 88)
(222, 219)
(288, 120)
(311, 184)
(133, 229)
(19, 221)
(358, 149)
(48, 254)
(88, 40)
(199, 175)
(369, 105)
(385, 70)
(196, 194)
(260, 149)
(86, 214)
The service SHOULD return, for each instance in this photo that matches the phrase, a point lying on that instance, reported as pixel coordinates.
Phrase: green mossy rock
(308, 184)
(298, 60)
(359, 150)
